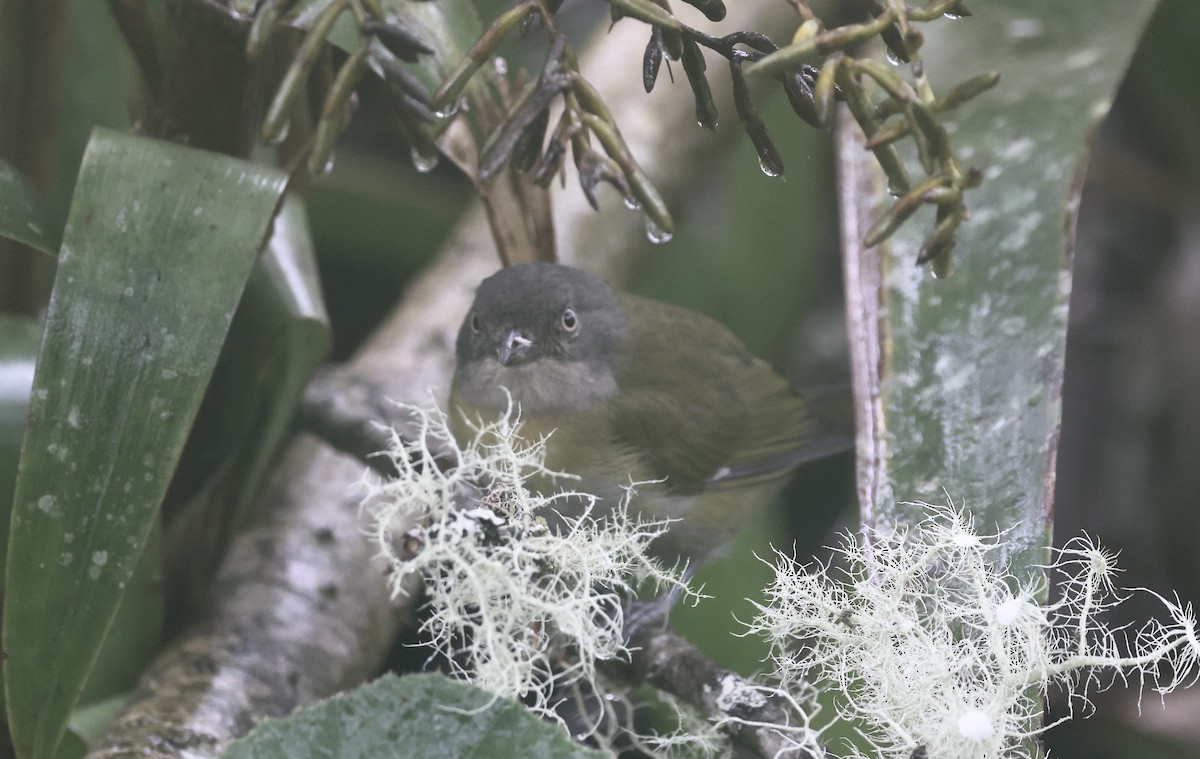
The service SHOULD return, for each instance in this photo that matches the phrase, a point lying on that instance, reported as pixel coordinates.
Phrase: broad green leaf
(416, 715)
(23, 214)
(136, 630)
(71, 747)
(968, 369)
(279, 336)
(158, 245)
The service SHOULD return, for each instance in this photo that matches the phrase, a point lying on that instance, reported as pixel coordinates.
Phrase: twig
(670, 662)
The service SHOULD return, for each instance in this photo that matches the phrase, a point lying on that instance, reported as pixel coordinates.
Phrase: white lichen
(928, 644)
(517, 608)
(798, 735)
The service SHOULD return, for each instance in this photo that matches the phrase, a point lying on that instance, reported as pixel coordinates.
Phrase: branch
(755, 721)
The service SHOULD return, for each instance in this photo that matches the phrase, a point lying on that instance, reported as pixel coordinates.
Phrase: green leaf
(158, 245)
(280, 335)
(23, 214)
(71, 747)
(968, 369)
(132, 640)
(417, 716)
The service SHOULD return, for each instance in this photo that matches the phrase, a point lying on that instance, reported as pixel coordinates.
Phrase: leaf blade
(159, 242)
(24, 216)
(429, 715)
(966, 372)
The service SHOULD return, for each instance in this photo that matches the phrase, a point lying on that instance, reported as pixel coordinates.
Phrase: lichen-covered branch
(760, 722)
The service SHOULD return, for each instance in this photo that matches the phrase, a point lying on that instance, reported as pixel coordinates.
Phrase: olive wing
(700, 409)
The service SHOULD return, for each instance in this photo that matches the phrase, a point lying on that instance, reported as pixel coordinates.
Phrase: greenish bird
(633, 389)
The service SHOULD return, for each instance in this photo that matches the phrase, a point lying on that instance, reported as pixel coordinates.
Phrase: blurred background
(1129, 455)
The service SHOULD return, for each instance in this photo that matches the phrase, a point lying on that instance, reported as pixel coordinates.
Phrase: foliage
(111, 408)
(350, 726)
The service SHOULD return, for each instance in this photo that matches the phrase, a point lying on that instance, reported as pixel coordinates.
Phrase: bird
(631, 389)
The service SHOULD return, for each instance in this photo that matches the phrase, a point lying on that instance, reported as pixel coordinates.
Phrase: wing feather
(739, 418)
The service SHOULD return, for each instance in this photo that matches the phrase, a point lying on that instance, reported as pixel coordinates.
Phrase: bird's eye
(570, 321)
(474, 322)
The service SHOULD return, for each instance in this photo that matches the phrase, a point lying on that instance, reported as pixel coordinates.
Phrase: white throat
(543, 385)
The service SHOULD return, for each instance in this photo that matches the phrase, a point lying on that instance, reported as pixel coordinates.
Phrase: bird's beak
(513, 347)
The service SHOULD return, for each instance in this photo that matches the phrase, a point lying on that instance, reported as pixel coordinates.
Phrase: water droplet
(450, 109)
(631, 203)
(281, 135)
(952, 15)
(767, 168)
(942, 266)
(500, 65)
(892, 58)
(424, 163)
(656, 234)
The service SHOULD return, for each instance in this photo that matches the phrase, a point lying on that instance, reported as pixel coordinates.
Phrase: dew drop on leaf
(281, 135)
(424, 163)
(450, 110)
(656, 234)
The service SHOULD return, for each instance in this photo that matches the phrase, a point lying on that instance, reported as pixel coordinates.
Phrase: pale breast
(542, 386)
